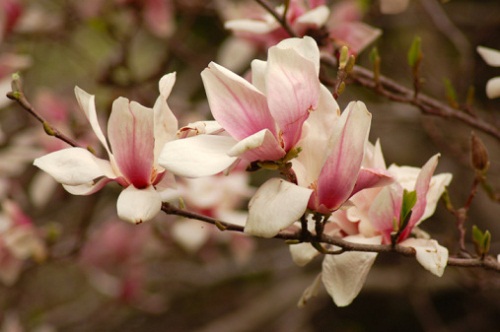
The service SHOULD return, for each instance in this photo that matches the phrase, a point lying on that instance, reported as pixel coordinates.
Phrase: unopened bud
(344, 57)
(479, 154)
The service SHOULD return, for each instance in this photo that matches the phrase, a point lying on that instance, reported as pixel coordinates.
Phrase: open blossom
(328, 169)
(492, 58)
(262, 120)
(136, 135)
(370, 220)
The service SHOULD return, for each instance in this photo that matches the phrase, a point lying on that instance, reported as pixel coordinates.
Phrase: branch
(488, 263)
(392, 90)
(17, 95)
(280, 18)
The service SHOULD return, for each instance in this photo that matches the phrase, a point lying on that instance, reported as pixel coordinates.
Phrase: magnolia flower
(262, 120)
(19, 241)
(492, 58)
(344, 275)
(136, 135)
(328, 170)
(309, 17)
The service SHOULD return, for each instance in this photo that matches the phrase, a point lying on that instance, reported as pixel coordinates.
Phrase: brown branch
(392, 90)
(298, 236)
(281, 19)
(17, 95)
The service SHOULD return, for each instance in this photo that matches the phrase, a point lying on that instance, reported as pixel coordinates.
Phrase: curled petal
(87, 104)
(165, 122)
(310, 291)
(138, 205)
(432, 256)
(344, 275)
(372, 178)
(197, 156)
(260, 146)
(276, 205)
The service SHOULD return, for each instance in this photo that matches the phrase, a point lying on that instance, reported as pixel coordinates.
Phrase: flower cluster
(283, 119)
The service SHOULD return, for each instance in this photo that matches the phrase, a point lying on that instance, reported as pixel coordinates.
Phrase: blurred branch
(281, 19)
(488, 262)
(17, 95)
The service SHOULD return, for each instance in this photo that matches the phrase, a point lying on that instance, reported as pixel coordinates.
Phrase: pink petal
(130, 132)
(292, 91)
(385, 210)
(372, 178)
(236, 104)
(421, 187)
(340, 172)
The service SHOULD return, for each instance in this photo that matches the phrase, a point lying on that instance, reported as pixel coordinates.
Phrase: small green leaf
(409, 201)
(482, 240)
(415, 52)
(486, 242)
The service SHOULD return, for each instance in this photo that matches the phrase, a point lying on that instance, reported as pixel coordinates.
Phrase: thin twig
(17, 95)
(281, 19)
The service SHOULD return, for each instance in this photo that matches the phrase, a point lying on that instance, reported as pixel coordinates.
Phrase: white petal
(252, 26)
(317, 16)
(493, 88)
(87, 104)
(436, 189)
(276, 205)
(489, 55)
(432, 256)
(190, 234)
(303, 253)
(165, 122)
(306, 47)
(310, 291)
(344, 275)
(138, 205)
(197, 156)
(73, 166)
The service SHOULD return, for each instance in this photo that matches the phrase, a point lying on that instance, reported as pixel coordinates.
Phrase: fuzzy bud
(479, 154)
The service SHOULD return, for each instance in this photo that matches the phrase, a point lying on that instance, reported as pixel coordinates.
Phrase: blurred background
(85, 270)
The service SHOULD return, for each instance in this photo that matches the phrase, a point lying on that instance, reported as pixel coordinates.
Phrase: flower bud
(479, 154)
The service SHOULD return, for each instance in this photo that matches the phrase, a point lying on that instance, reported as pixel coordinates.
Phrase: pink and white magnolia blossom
(328, 169)
(218, 197)
(492, 58)
(136, 134)
(342, 25)
(19, 241)
(262, 120)
(344, 275)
